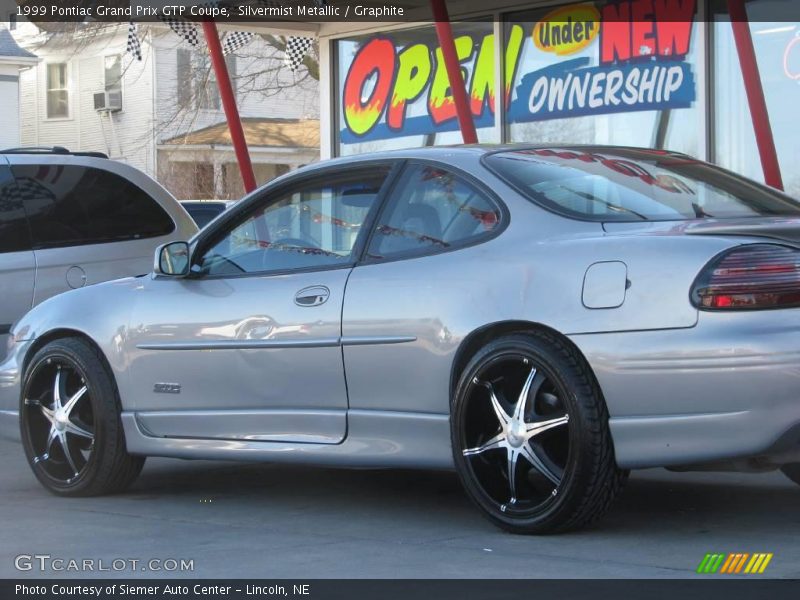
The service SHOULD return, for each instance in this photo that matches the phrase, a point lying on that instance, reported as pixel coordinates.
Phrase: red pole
(457, 85)
(229, 105)
(755, 93)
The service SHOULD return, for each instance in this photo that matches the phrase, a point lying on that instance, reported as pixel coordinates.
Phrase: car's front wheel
(70, 424)
(530, 436)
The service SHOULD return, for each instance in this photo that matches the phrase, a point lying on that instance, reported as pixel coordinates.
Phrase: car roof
(51, 151)
(464, 150)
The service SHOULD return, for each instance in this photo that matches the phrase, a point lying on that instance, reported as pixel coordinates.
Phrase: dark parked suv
(73, 219)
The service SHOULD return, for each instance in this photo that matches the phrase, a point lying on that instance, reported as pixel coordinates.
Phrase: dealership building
(667, 74)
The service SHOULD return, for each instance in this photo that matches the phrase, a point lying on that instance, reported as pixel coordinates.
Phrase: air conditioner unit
(108, 101)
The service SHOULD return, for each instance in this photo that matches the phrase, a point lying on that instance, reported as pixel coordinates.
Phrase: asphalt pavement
(274, 521)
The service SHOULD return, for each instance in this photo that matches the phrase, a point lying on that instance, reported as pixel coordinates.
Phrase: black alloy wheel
(530, 436)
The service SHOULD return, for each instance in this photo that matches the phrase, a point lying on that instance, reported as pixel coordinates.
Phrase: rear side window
(432, 210)
(70, 205)
(619, 184)
(14, 232)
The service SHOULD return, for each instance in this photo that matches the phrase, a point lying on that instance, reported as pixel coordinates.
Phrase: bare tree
(266, 76)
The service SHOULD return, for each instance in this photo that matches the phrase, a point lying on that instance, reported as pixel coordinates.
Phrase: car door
(248, 347)
(17, 261)
(87, 224)
(415, 289)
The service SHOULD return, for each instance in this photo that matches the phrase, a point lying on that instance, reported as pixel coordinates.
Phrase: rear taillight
(751, 277)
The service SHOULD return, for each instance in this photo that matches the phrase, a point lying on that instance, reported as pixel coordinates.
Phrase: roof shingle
(9, 46)
(284, 133)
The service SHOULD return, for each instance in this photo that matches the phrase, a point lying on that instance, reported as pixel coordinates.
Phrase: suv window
(14, 232)
(432, 210)
(313, 225)
(70, 205)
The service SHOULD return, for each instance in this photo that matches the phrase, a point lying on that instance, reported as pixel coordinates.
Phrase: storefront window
(393, 90)
(619, 72)
(777, 47)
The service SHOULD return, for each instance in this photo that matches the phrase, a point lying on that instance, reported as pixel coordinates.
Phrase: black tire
(792, 471)
(564, 408)
(60, 451)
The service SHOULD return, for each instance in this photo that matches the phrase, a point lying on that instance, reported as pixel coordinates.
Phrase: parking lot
(270, 521)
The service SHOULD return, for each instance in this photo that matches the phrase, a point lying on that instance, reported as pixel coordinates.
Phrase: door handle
(312, 296)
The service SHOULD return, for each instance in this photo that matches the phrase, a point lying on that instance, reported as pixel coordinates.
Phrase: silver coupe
(540, 319)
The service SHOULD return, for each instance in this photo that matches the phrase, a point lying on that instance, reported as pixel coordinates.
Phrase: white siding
(125, 135)
(9, 100)
(28, 120)
(258, 67)
(149, 90)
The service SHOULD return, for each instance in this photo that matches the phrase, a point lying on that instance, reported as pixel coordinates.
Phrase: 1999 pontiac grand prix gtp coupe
(540, 319)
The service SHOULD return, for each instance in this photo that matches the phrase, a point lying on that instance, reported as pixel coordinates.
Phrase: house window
(57, 91)
(184, 78)
(197, 83)
(208, 94)
(113, 73)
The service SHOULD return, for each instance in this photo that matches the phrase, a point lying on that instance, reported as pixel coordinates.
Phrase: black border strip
(705, 588)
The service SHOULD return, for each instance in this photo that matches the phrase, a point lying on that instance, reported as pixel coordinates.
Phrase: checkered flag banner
(235, 40)
(27, 189)
(296, 48)
(183, 28)
(134, 47)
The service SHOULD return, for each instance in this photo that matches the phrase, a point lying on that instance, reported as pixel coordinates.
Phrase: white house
(12, 60)
(162, 114)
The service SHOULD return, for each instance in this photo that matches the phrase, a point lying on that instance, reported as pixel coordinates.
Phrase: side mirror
(172, 259)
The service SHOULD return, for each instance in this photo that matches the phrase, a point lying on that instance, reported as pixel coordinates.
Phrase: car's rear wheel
(70, 424)
(530, 436)
(792, 472)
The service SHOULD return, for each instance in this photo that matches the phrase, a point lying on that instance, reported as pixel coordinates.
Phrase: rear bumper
(726, 389)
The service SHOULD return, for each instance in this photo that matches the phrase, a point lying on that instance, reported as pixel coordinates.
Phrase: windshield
(610, 184)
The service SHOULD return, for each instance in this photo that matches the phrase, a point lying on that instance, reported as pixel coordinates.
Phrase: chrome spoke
(48, 413)
(62, 437)
(538, 464)
(57, 389)
(79, 431)
(542, 426)
(513, 455)
(497, 441)
(50, 438)
(499, 411)
(519, 409)
(73, 400)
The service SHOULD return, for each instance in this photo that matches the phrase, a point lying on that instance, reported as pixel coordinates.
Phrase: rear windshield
(635, 185)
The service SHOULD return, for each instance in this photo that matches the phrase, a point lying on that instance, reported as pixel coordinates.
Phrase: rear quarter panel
(532, 272)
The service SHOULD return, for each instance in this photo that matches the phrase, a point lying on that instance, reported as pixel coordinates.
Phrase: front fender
(100, 313)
